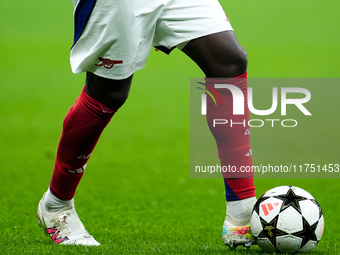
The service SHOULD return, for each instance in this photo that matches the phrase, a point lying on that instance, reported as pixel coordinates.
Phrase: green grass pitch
(137, 196)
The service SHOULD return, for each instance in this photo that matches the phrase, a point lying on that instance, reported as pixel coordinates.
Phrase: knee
(240, 63)
(231, 64)
(115, 99)
(111, 93)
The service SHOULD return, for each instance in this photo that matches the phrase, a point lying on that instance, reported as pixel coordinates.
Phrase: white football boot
(64, 226)
(236, 227)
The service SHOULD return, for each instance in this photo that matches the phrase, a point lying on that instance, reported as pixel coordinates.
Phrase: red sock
(233, 138)
(82, 128)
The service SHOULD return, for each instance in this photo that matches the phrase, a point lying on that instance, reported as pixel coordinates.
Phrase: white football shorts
(113, 38)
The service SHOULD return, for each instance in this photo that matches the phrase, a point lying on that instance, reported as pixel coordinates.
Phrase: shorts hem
(109, 74)
(181, 43)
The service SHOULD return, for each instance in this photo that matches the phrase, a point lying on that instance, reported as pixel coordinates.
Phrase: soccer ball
(287, 219)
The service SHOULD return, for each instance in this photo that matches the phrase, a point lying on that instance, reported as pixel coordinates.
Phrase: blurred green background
(137, 195)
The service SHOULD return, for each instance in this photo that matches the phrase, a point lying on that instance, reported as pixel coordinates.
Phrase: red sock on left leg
(83, 125)
(233, 138)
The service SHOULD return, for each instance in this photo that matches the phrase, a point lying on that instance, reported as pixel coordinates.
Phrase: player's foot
(236, 230)
(64, 226)
(237, 233)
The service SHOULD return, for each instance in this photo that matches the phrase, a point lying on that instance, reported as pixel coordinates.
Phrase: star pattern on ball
(270, 231)
(290, 199)
(308, 233)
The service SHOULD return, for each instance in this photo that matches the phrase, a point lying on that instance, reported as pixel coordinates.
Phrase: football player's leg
(111, 42)
(224, 61)
(103, 51)
(82, 127)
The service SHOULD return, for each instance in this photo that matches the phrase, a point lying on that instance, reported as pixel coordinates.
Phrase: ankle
(54, 204)
(241, 209)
